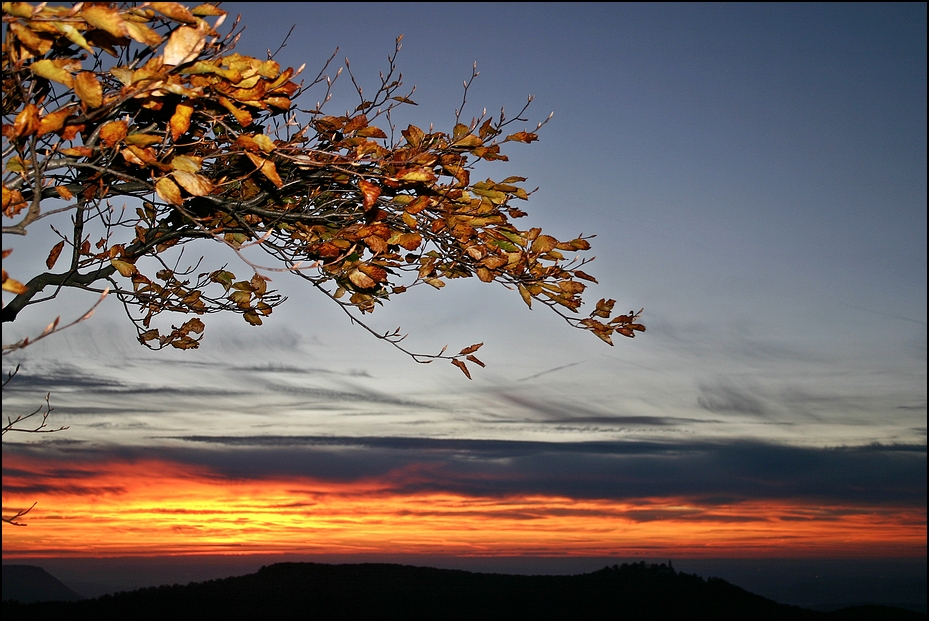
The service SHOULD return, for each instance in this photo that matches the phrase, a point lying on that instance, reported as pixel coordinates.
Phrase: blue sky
(755, 176)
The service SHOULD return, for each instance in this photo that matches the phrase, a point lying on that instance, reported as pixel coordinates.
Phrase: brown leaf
(522, 137)
(544, 243)
(370, 192)
(461, 365)
(470, 349)
(476, 361)
(54, 254)
(584, 276)
(53, 121)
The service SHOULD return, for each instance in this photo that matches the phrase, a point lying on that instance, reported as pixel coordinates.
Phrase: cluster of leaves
(150, 102)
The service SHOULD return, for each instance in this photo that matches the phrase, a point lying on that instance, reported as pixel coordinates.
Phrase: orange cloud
(167, 508)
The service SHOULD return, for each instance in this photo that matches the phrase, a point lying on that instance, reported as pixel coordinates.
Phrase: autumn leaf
(361, 280)
(54, 254)
(184, 44)
(180, 120)
(195, 184)
(471, 349)
(168, 191)
(369, 192)
(461, 365)
(88, 89)
(123, 267)
(522, 137)
(104, 18)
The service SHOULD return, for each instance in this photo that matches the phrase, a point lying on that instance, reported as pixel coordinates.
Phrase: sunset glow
(165, 508)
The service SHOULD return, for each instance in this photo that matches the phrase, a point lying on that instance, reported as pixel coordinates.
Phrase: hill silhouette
(28, 583)
(314, 590)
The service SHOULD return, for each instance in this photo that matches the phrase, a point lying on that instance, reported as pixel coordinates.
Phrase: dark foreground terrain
(313, 590)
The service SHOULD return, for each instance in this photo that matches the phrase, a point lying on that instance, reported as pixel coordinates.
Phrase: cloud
(717, 472)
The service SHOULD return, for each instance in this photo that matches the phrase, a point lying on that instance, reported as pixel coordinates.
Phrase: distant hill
(28, 583)
(313, 590)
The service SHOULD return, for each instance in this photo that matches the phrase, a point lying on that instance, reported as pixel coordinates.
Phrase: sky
(755, 176)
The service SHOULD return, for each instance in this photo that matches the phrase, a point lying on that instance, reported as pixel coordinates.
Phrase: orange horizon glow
(161, 508)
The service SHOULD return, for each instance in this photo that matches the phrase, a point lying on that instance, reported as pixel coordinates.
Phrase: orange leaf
(267, 167)
(54, 121)
(180, 120)
(88, 89)
(54, 254)
(112, 132)
(461, 365)
(168, 191)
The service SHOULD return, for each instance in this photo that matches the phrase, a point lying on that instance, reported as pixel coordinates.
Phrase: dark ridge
(314, 590)
(28, 583)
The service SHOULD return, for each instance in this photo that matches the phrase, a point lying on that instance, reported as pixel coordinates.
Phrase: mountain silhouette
(314, 590)
(28, 583)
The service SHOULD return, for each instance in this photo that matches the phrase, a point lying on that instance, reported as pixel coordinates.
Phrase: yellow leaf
(123, 267)
(88, 89)
(527, 297)
(12, 285)
(104, 18)
(64, 192)
(197, 185)
(168, 191)
(143, 34)
(205, 10)
(187, 163)
(143, 140)
(416, 174)
(71, 34)
(175, 11)
(50, 70)
(185, 44)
